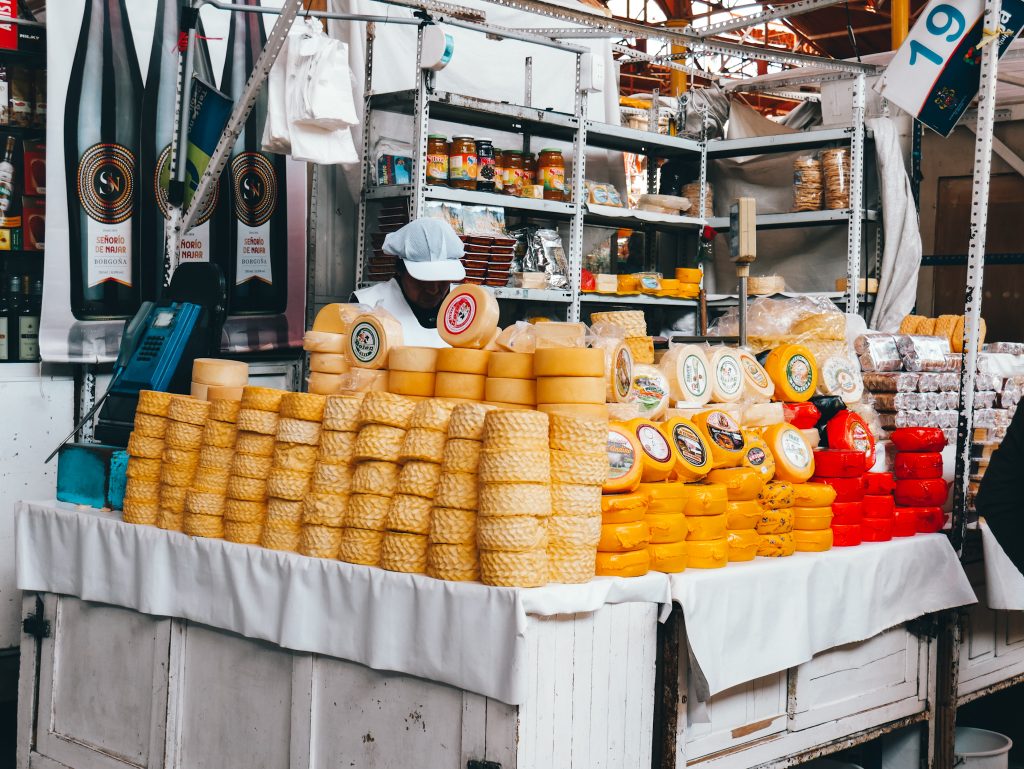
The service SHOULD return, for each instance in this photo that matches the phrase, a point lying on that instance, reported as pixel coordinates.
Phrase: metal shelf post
(579, 173)
(854, 244)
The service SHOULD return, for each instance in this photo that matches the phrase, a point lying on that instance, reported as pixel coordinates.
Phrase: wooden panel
(736, 716)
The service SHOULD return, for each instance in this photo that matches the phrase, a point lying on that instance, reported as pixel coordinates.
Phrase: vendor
(999, 498)
(429, 262)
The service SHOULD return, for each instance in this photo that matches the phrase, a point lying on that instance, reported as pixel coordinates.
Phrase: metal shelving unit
(801, 219)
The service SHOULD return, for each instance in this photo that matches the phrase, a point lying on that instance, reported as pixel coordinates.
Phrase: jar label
(554, 178)
(437, 167)
(462, 167)
(486, 169)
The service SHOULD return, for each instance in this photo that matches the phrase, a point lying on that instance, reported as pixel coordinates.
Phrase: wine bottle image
(259, 219)
(101, 135)
(158, 131)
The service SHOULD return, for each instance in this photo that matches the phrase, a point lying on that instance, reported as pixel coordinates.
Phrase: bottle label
(554, 178)
(437, 168)
(254, 183)
(5, 341)
(28, 337)
(462, 167)
(106, 191)
(195, 244)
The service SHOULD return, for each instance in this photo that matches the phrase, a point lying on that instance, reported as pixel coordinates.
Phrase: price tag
(935, 73)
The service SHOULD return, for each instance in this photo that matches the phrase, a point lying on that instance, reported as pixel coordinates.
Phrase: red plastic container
(921, 493)
(847, 489)
(876, 529)
(847, 513)
(839, 463)
(918, 439)
(846, 536)
(918, 466)
(879, 483)
(904, 522)
(802, 416)
(879, 506)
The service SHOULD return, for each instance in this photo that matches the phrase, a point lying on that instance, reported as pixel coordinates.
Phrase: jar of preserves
(551, 173)
(437, 159)
(499, 170)
(529, 169)
(513, 172)
(485, 165)
(462, 163)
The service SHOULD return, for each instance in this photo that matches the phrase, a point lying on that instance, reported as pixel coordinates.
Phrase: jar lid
(437, 136)
(463, 136)
(481, 141)
(513, 152)
(551, 149)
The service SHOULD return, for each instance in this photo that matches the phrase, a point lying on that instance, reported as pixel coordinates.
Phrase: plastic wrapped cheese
(371, 338)
(877, 352)
(923, 353)
(618, 367)
(794, 461)
(763, 414)
(726, 376)
(649, 391)
(757, 383)
(840, 375)
(891, 381)
(687, 369)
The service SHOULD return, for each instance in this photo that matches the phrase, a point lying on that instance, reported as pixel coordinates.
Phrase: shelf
(532, 294)
(760, 145)
(25, 132)
(550, 208)
(613, 216)
(639, 142)
(797, 219)
(481, 113)
(652, 301)
(839, 297)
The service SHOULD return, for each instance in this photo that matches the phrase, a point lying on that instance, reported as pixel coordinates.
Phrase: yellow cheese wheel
(622, 537)
(813, 495)
(794, 460)
(813, 541)
(707, 554)
(667, 527)
(510, 365)
(569, 389)
(688, 374)
(689, 274)
(777, 495)
(587, 410)
(706, 499)
(757, 455)
(649, 391)
(420, 359)
(371, 339)
(325, 384)
(323, 341)
(657, 457)
(743, 515)
(626, 507)
(741, 483)
(329, 363)
(726, 376)
(219, 372)
(666, 496)
(793, 371)
(625, 463)
(199, 390)
(411, 383)
(743, 545)
(811, 518)
(701, 528)
(692, 454)
(668, 557)
(337, 318)
(448, 384)
(635, 563)
(518, 391)
(569, 362)
(756, 381)
(365, 380)
(215, 393)
(461, 361)
(468, 317)
(723, 437)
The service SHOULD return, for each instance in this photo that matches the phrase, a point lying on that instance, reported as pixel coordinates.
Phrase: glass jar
(485, 165)
(499, 170)
(462, 163)
(437, 159)
(529, 169)
(551, 173)
(513, 172)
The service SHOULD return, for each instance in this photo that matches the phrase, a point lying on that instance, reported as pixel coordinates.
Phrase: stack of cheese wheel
(843, 470)
(515, 499)
(776, 524)
(461, 373)
(205, 501)
(707, 543)
(453, 518)
(511, 383)
(793, 371)
(571, 380)
(667, 524)
(383, 420)
(579, 468)
(246, 505)
(879, 488)
(145, 451)
(327, 344)
(371, 337)
(633, 323)
(182, 442)
(812, 516)
(408, 520)
(621, 503)
(411, 371)
(743, 512)
(216, 379)
(918, 469)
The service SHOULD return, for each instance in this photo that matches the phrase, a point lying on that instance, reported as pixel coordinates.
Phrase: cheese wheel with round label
(618, 368)
(840, 376)
(649, 391)
(516, 391)
(448, 384)
(411, 383)
(668, 557)
(794, 460)
(371, 339)
(741, 483)
(220, 372)
(329, 363)
(468, 317)
(688, 374)
(457, 360)
(849, 430)
(569, 389)
(726, 376)
(569, 362)
(657, 458)
(323, 341)
(794, 372)
(625, 465)
(510, 365)
(757, 455)
(723, 437)
(693, 458)
(755, 378)
(419, 359)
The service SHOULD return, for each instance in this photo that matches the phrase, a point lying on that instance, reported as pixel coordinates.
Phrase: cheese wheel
(418, 359)
(707, 554)
(757, 455)
(763, 414)
(846, 513)
(371, 339)
(618, 368)
(583, 410)
(666, 497)
(421, 444)
(802, 416)
(811, 518)
(706, 499)
(742, 515)
(324, 341)
(402, 552)
(323, 383)
(777, 495)
(879, 483)
(776, 545)
(414, 383)
(262, 398)
(548, 334)
(635, 563)
(775, 521)
(930, 519)
(150, 426)
(876, 529)
(622, 537)
(188, 410)
(921, 493)
(520, 569)
(141, 512)
(726, 376)
(219, 372)
(329, 363)
(669, 557)
(840, 375)
(918, 439)
(688, 374)
(468, 317)
(154, 402)
(666, 527)
(569, 389)
(515, 466)
(794, 460)
(756, 381)
(459, 361)
(256, 421)
(813, 541)
(813, 495)
(879, 506)
(375, 477)
(510, 365)
(448, 384)
(623, 508)
(849, 430)
(305, 406)
(743, 545)
(793, 371)
(656, 457)
(722, 435)
(904, 522)
(517, 391)
(846, 535)
(569, 362)
(364, 380)
(199, 391)
(919, 466)
(337, 318)
(706, 527)
(839, 463)
(741, 483)
(649, 391)
(625, 460)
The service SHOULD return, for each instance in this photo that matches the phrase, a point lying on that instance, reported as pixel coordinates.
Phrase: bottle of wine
(28, 320)
(158, 131)
(259, 219)
(7, 343)
(101, 137)
(7, 177)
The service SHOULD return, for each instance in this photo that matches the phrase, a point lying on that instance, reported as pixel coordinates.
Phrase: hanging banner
(112, 74)
(935, 73)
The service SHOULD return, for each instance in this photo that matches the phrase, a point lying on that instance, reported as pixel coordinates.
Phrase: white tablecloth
(1004, 584)
(753, 619)
(464, 634)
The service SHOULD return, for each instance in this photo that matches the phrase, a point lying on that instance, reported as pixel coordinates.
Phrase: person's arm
(1001, 497)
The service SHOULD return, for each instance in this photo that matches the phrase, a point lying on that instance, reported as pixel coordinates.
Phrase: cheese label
(648, 391)
(654, 442)
(622, 372)
(621, 456)
(695, 376)
(754, 372)
(799, 373)
(839, 376)
(730, 377)
(860, 438)
(690, 445)
(795, 449)
(724, 431)
(365, 342)
(459, 315)
(755, 456)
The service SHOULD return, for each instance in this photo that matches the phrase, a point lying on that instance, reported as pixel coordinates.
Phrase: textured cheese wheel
(635, 563)
(743, 515)
(625, 463)
(323, 383)
(741, 483)
(371, 339)
(460, 361)
(569, 389)
(219, 372)
(618, 368)
(518, 391)
(154, 402)
(421, 359)
(722, 435)
(423, 445)
(624, 507)
(329, 363)
(584, 410)
(622, 537)
(813, 541)
(794, 372)
(262, 398)
(763, 415)
(306, 406)
(569, 362)
(813, 495)
(448, 384)
(757, 455)
(709, 554)
(323, 341)
(667, 527)
(468, 317)
(669, 557)
(794, 460)
(911, 466)
(693, 458)
(411, 383)
(515, 466)
(702, 528)
(755, 378)
(649, 391)
(688, 374)
(510, 365)
(743, 545)
(726, 376)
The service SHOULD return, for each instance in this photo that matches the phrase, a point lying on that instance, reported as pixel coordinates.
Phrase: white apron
(389, 295)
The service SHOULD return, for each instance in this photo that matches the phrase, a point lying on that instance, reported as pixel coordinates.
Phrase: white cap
(430, 249)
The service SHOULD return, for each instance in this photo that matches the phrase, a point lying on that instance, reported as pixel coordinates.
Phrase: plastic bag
(877, 352)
